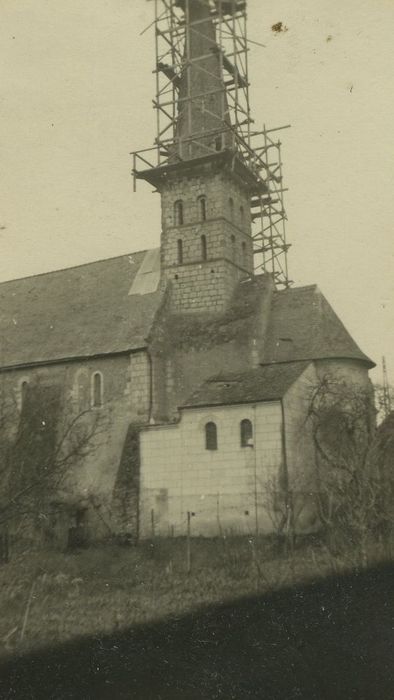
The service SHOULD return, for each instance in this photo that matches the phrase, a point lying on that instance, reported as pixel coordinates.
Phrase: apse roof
(302, 326)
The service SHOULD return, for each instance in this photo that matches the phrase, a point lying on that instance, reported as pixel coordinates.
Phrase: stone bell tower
(207, 174)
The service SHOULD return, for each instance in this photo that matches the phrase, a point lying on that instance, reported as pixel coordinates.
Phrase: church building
(199, 367)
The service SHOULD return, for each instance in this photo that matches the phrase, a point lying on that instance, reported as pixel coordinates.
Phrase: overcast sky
(76, 90)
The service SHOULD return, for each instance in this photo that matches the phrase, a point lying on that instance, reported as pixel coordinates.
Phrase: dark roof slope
(303, 326)
(109, 306)
(77, 312)
(267, 383)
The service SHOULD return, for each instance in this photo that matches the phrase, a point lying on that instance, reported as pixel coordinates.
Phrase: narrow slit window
(242, 214)
(246, 433)
(180, 251)
(211, 436)
(97, 388)
(178, 213)
(202, 208)
(231, 208)
(203, 247)
(233, 248)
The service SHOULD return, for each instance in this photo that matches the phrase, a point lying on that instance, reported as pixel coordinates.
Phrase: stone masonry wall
(200, 284)
(126, 400)
(206, 286)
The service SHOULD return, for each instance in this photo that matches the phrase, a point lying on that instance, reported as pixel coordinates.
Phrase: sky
(76, 98)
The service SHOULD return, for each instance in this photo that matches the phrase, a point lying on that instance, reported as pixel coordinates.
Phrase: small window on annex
(211, 436)
(202, 208)
(178, 213)
(97, 390)
(246, 433)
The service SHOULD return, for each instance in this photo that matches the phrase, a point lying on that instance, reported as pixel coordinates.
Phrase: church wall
(351, 371)
(195, 365)
(126, 398)
(178, 372)
(187, 352)
(220, 487)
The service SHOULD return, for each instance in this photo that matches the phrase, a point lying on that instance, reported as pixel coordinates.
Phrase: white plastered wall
(223, 489)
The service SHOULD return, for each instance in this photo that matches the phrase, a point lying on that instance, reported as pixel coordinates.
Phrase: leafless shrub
(350, 485)
(40, 443)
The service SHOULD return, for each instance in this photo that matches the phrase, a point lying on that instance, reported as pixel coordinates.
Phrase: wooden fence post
(188, 551)
(152, 522)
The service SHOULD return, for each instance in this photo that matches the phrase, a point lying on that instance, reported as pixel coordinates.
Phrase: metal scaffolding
(202, 107)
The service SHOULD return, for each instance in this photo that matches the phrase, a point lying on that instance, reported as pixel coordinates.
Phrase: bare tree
(349, 482)
(41, 441)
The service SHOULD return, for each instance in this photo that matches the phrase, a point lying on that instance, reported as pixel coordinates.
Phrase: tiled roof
(109, 306)
(78, 312)
(303, 326)
(269, 383)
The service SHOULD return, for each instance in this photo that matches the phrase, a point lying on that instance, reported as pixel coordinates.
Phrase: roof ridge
(298, 289)
(75, 267)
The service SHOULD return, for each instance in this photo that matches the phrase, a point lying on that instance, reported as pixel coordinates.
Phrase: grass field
(48, 597)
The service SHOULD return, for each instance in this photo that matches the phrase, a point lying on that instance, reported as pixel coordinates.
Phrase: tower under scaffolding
(202, 108)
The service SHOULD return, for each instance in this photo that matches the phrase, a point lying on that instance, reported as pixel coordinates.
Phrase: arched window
(97, 390)
(244, 256)
(203, 247)
(202, 208)
(231, 208)
(211, 436)
(180, 251)
(246, 433)
(178, 213)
